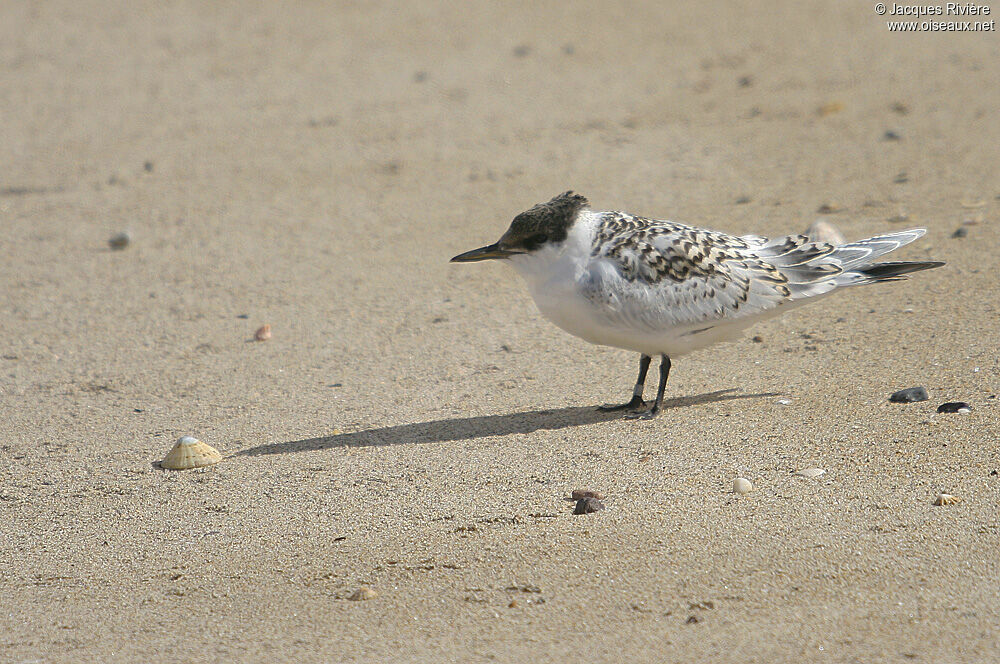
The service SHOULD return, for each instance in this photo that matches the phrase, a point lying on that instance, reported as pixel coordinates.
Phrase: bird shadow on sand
(467, 428)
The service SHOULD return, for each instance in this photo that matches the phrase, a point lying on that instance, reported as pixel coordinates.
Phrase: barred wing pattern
(658, 275)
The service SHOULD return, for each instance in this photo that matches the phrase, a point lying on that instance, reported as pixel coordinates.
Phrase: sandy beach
(415, 427)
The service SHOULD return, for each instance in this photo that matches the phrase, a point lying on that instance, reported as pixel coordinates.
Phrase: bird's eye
(536, 240)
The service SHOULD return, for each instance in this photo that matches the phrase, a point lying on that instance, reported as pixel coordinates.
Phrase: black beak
(483, 253)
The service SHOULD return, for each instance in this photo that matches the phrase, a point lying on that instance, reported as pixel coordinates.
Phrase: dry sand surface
(414, 426)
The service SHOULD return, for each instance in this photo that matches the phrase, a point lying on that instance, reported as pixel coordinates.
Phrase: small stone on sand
(119, 241)
(909, 395)
(954, 407)
(588, 506)
(742, 485)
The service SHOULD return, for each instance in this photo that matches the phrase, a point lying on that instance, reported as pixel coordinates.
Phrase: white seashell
(784, 402)
(811, 473)
(263, 333)
(946, 499)
(824, 231)
(189, 452)
(742, 485)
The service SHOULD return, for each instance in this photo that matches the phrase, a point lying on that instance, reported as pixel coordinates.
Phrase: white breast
(564, 279)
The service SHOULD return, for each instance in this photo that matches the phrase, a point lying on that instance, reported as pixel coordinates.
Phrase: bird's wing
(659, 274)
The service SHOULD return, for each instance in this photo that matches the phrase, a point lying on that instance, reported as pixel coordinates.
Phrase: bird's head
(544, 225)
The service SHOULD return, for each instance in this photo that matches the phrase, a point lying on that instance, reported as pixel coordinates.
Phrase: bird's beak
(483, 253)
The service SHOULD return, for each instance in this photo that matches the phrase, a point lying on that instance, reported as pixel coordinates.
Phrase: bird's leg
(655, 410)
(636, 403)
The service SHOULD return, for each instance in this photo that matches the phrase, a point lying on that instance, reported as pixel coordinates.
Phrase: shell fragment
(189, 452)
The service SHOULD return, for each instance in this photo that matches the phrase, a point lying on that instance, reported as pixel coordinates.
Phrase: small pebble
(119, 241)
(758, 339)
(363, 593)
(901, 178)
(263, 333)
(961, 231)
(743, 200)
(946, 499)
(828, 208)
(891, 135)
(810, 473)
(588, 506)
(954, 407)
(909, 395)
(784, 402)
(742, 485)
(580, 494)
(900, 107)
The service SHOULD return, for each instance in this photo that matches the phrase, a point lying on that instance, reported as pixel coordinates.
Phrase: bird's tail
(857, 258)
(815, 268)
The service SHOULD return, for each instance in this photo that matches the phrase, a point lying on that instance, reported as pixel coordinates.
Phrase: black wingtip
(896, 270)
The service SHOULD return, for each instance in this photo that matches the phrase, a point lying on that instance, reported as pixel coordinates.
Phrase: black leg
(655, 410)
(636, 403)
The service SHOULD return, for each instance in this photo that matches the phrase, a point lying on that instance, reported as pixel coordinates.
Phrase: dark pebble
(580, 494)
(692, 620)
(909, 395)
(961, 231)
(953, 407)
(891, 135)
(588, 506)
(119, 241)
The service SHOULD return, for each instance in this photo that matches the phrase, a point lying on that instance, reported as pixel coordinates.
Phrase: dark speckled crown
(552, 219)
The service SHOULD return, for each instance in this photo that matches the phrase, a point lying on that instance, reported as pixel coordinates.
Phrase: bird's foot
(636, 404)
(643, 414)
